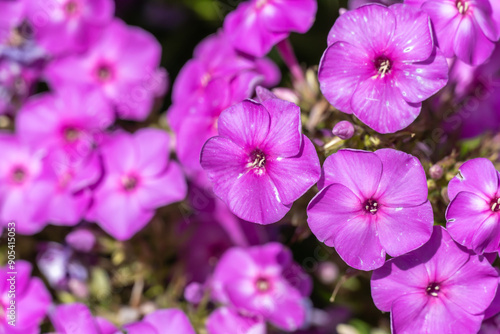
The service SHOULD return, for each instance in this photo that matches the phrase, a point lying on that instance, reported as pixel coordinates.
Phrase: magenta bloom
(472, 217)
(68, 26)
(371, 204)
(344, 130)
(30, 303)
(438, 288)
(465, 28)
(138, 179)
(22, 194)
(76, 319)
(122, 64)
(169, 321)
(257, 25)
(263, 281)
(261, 162)
(381, 63)
(225, 320)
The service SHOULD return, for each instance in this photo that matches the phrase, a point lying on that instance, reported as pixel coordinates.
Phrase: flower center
(462, 6)
(71, 134)
(104, 73)
(71, 7)
(383, 65)
(371, 206)
(18, 175)
(262, 284)
(432, 289)
(129, 182)
(256, 159)
(495, 205)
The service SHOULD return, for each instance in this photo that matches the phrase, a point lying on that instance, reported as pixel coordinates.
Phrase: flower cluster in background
(253, 190)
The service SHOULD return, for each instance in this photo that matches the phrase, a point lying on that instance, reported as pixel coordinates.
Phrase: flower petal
(471, 45)
(445, 20)
(477, 176)
(286, 16)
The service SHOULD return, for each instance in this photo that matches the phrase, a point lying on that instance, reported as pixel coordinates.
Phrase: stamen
(462, 6)
(433, 289)
(257, 159)
(371, 206)
(495, 205)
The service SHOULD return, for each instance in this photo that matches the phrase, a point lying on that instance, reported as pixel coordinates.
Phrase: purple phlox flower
(226, 320)
(381, 63)
(68, 26)
(76, 318)
(472, 217)
(122, 64)
(467, 29)
(62, 268)
(255, 26)
(29, 306)
(260, 281)
(261, 162)
(374, 199)
(81, 240)
(72, 121)
(138, 179)
(23, 196)
(216, 78)
(437, 288)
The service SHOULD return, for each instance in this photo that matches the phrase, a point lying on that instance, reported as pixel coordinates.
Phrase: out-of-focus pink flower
(465, 28)
(138, 179)
(381, 63)
(68, 26)
(257, 25)
(226, 320)
(81, 240)
(377, 199)
(343, 129)
(122, 64)
(22, 196)
(76, 319)
(261, 162)
(260, 281)
(437, 288)
(27, 309)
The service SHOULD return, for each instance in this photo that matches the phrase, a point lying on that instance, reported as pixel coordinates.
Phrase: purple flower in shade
(263, 281)
(22, 196)
(122, 64)
(344, 130)
(472, 217)
(467, 29)
(215, 79)
(438, 288)
(225, 320)
(381, 63)
(76, 319)
(68, 26)
(261, 162)
(257, 25)
(138, 179)
(374, 199)
(71, 120)
(31, 300)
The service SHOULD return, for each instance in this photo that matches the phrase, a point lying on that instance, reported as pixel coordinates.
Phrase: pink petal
(153, 149)
(285, 175)
(120, 153)
(412, 39)
(368, 28)
(74, 318)
(403, 181)
(487, 236)
(473, 286)
(465, 216)
(255, 198)
(285, 131)
(483, 14)
(445, 20)
(32, 306)
(477, 176)
(380, 104)
(360, 171)
(223, 161)
(224, 320)
(286, 16)
(290, 311)
(471, 45)
(331, 208)
(415, 313)
(404, 229)
(246, 124)
(169, 320)
(419, 81)
(342, 67)
(193, 134)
